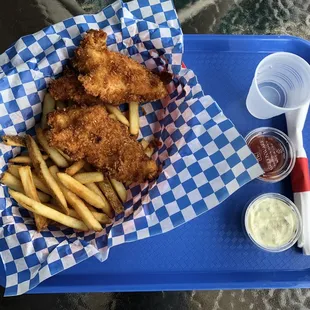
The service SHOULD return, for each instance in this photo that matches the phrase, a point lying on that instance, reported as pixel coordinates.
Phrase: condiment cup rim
(277, 134)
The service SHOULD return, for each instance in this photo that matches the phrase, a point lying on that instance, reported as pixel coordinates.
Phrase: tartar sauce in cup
(273, 222)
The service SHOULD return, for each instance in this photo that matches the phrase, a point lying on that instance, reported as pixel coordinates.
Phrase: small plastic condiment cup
(293, 207)
(286, 152)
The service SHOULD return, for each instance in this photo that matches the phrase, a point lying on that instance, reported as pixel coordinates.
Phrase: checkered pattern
(204, 159)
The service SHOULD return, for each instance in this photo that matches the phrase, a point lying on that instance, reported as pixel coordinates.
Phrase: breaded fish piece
(68, 87)
(114, 77)
(89, 133)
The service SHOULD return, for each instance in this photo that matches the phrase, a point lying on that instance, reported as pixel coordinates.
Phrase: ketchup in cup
(274, 151)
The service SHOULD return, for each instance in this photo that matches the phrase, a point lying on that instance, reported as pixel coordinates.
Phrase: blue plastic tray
(210, 252)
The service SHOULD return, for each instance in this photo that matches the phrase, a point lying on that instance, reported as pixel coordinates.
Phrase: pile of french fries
(55, 189)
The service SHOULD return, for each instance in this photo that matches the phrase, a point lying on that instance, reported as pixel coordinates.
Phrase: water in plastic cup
(281, 83)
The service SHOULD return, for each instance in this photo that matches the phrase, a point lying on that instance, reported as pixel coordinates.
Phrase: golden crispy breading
(68, 87)
(89, 133)
(114, 77)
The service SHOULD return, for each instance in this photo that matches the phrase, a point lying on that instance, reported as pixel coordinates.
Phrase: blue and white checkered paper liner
(203, 156)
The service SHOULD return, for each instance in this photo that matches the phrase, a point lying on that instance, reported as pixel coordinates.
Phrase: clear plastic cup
(280, 84)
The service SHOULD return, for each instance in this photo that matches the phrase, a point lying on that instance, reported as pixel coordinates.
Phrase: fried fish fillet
(89, 133)
(114, 77)
(68, 87)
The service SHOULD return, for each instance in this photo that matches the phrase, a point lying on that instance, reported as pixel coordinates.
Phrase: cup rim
(306, 101)
(290, 203)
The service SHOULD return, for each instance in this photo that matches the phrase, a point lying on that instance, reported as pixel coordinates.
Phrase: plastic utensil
(280, 84)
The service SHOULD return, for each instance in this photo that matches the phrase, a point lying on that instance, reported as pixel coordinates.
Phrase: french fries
(13, 140)
(24, 160)
(134, 121)
(41, 209)
(79, 206)
(13, 169)
(118, 114)
(65, 155)
(14, 183)
(75, 167)
(43, 172)
(39, 184)
(119, 189)
(48, 106)
(91, 208)
(109, 193)
(76, 185)
(128, 183)
(83, 212)
(113, 116)
(27, 182)
(83, 192)
(105, 188)
(144, 143)
(89, 177)
(55, 156)
(31, 192)
(149, 151)
(148, 148)
(43, 197)
(94, 187)
(100, 217)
